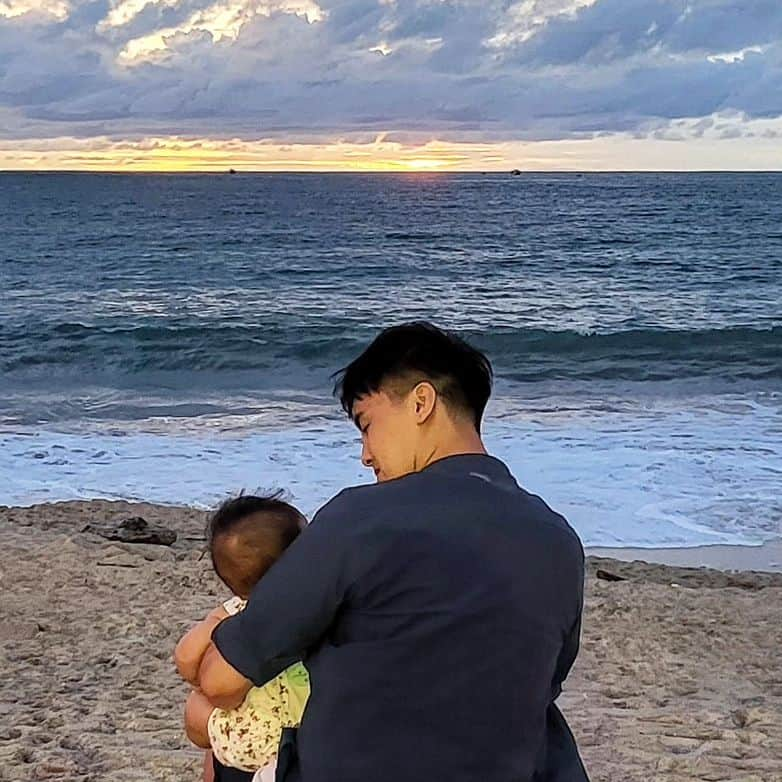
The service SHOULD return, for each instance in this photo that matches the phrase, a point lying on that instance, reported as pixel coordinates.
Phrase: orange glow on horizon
(179, 154)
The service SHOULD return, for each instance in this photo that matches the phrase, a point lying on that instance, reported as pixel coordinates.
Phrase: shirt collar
(481, 464)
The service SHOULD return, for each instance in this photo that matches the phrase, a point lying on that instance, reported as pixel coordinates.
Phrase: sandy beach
(679, 677)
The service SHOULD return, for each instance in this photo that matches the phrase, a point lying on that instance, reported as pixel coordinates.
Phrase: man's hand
(220, 682)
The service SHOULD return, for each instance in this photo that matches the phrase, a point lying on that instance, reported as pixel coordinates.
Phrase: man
(438, 611)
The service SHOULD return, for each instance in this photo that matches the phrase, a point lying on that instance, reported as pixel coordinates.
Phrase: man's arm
(194, 643)
(289, 611)
(569, 651)
(220, 683)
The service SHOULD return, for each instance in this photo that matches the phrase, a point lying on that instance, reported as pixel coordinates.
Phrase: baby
(246, 535)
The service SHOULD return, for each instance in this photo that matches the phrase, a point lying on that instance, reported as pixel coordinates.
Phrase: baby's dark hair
(247, 534)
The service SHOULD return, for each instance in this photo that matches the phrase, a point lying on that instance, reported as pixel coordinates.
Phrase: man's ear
(424, 399)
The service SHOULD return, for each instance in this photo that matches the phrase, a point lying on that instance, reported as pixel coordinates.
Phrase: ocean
(172, 337)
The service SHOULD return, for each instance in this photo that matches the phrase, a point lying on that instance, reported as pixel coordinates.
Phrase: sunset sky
(403, 85)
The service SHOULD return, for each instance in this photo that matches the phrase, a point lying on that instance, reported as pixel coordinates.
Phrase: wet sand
(679, 677)
(767, 557)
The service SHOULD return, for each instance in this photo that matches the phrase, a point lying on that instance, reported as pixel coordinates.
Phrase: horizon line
(416, 172)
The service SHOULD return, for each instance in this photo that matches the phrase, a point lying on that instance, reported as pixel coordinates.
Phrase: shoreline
(763, 558)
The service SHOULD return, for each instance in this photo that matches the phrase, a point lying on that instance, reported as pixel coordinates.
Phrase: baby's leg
(197, 712)
(209, 767)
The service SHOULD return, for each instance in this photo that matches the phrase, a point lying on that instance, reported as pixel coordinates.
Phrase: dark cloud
(469, 68)
(612, 31)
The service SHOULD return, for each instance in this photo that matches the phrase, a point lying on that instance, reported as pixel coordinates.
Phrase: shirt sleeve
(569, 651)
(294, 603)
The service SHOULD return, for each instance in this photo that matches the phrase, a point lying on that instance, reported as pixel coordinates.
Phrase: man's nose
(366, 456)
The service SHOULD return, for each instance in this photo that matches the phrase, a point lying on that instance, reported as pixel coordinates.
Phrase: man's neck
(459, 444)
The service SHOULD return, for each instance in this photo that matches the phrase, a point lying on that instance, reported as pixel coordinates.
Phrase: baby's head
(246, 536)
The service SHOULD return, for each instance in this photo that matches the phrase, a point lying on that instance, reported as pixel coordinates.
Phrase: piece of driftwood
(604, 575)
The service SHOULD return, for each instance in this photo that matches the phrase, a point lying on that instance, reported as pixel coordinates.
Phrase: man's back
(459, 617)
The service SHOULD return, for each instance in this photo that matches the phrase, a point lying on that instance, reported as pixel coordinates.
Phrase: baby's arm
(194, 643)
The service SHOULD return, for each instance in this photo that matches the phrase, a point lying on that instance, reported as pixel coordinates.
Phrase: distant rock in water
(231, 170)
(134, 530)
(515, 172)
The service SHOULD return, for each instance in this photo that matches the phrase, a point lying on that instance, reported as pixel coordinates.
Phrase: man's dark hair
(405, 355)
(260, 527)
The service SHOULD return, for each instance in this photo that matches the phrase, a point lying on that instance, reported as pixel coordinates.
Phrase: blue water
(171, 337)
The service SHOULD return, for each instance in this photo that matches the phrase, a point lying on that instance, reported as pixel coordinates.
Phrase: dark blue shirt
(438, 615)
